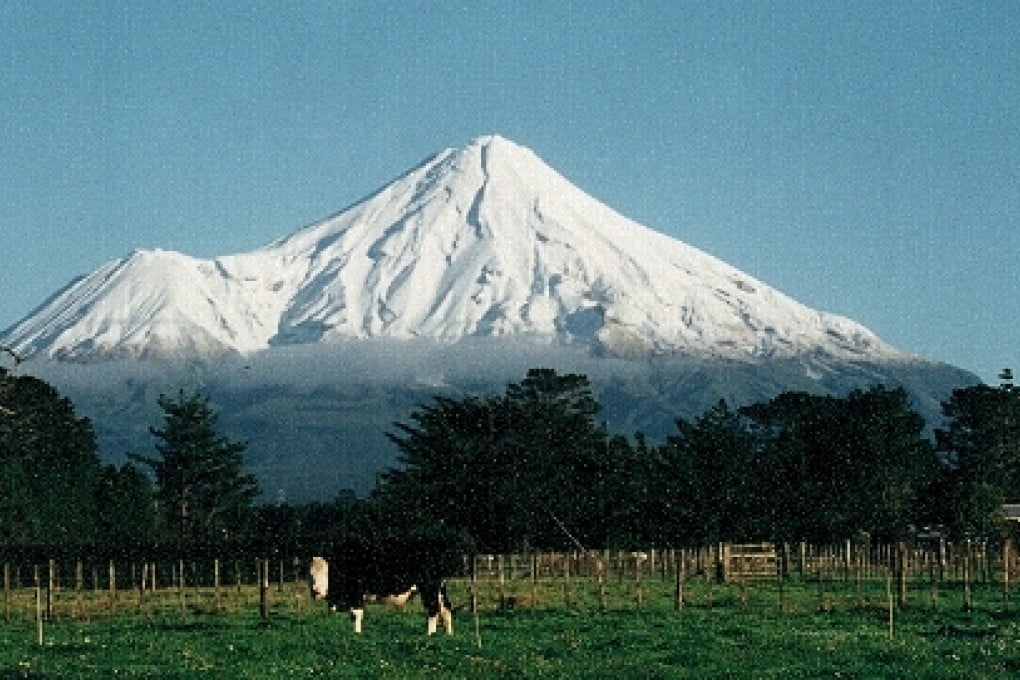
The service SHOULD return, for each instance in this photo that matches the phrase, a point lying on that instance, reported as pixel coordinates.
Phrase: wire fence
(784, 577)
(89, 588)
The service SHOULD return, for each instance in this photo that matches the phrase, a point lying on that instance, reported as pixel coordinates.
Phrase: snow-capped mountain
(486, 240)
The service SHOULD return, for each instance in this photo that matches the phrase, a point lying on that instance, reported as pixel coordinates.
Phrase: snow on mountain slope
(487, 240)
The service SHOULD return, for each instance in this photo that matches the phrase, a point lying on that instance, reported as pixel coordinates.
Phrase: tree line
(532, 467)
(535, 467)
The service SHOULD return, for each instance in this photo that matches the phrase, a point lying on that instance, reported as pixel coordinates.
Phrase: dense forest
(532, 467)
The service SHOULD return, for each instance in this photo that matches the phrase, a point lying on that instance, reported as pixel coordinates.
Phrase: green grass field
(723, 631)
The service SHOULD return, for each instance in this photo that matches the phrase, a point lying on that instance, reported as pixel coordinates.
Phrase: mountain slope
(486, 240)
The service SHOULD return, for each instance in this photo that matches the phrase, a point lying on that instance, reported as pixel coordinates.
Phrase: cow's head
(318, 578)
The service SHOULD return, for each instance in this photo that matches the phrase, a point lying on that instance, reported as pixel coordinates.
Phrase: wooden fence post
(79, 584)
(942, 557)
(216, 585)
(264, 588)
(566, 580)
(143, 582)
(901, 573)
(38, 605)
(534, 579)
(600, 571)
(51, 569)
(859, 567)
(112, 583)
(821, 587)
(180, 586)
(475, 614)
(639, 593)
(889, 599)
(982, 562)
(782, 566)
(7, 591)
(474, 585)
(299, 601)
(502, 582)
(709, 577)
(1006, 557)
(967, 601)
(846, 560)
(678, 592)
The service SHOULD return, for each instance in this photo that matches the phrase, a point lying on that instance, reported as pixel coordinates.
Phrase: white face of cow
(318, 577)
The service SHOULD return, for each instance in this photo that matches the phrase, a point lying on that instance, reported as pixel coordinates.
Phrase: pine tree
(203, 495)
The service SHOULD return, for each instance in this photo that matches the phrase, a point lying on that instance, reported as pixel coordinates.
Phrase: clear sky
(861, 157)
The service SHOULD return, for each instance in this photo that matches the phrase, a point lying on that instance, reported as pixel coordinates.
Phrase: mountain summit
(486, 240)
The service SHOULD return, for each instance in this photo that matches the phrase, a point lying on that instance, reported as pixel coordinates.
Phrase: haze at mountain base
(316, 418)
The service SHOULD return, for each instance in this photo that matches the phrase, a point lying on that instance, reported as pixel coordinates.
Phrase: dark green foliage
(49, 466)
(531, 467)
(628, 494)
(708, 476)
(982, 447)
(204, 497)
(127, 516)
(833, 468)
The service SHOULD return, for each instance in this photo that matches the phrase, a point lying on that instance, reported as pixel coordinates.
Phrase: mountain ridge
(485, 240)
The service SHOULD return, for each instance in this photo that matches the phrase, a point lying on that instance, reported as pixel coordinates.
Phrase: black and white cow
(347, 582)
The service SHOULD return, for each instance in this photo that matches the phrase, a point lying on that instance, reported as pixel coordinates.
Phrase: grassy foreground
(721, 640)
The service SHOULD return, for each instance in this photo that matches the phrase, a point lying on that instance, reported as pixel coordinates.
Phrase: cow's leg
(357, 614)
(447, 617)
(445, 610)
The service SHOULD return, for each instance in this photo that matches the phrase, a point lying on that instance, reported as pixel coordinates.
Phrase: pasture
(552, 626)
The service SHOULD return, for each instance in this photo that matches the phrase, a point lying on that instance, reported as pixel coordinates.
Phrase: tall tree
(981, 444)
(833, 467)
(530, 467)
(561, 465)
(127, 519)
(49, 465)
(888, 460)
(708, 477)
(203, 494)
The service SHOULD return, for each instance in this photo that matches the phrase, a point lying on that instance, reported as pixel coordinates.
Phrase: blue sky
(861, 157)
